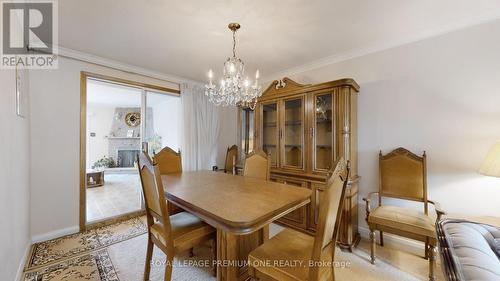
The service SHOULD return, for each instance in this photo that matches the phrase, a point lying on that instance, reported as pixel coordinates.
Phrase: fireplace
(126, 158)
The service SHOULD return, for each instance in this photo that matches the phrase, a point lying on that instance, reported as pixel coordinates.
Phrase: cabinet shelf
(323, 146)
(323, 121)
(287, 123)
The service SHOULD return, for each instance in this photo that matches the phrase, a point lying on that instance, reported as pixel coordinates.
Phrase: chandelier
(234, 88)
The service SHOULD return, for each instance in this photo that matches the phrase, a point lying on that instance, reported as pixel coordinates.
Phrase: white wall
(99, 120)
(166, 118)
(55, 146)
(14, 180)
(441, 95)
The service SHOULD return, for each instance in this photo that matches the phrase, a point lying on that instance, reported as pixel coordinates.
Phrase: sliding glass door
(119, 118)
(113, 141)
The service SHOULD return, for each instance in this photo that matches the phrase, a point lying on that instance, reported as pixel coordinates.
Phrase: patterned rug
(81, 256)
(117, 253)
(95, 266)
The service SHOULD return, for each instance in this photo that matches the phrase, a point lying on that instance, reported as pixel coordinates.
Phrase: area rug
(96, 266)
(51, 251)
(117, 253)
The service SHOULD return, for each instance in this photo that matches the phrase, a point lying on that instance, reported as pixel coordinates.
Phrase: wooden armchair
(293, 246)
(403, 175)
(257, 165)
(169, 162)
(231, 160)
(172, 234)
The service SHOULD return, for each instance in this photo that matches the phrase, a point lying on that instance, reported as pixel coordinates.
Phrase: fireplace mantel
(124, 138)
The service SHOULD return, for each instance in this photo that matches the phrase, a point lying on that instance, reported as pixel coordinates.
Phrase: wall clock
(133, 119)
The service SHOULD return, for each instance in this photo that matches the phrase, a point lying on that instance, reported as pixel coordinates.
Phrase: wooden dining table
(240, 208)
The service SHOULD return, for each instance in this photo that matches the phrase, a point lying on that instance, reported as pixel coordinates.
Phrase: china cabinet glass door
(293, 133)
(323, 132)
(270, 131)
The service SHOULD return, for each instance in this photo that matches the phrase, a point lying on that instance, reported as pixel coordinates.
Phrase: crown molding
(379, 47)
(93, 59)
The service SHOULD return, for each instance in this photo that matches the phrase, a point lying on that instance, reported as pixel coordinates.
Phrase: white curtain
(200, 129)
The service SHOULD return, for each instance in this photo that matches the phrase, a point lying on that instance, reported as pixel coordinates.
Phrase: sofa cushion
(475, 249)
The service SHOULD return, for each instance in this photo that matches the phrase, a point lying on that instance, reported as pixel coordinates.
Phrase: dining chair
(169, 162)
(257, 165)
(231, 160)
(403, 175)
(293, 255)
(171, 233)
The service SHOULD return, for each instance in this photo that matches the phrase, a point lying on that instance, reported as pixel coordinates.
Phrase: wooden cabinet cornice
(306, 128)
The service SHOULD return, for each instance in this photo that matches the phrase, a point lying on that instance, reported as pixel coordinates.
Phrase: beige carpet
(118, 252)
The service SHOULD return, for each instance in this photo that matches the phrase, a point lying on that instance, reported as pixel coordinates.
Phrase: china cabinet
(305, 129)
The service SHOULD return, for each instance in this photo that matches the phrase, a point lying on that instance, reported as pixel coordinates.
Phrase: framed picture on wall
(22, 92)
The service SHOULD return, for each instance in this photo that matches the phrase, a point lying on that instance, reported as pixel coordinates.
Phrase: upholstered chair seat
(184, 227)
(288, 245)
(403, 219)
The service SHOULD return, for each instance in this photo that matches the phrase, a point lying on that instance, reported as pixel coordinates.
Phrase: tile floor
(120, 194)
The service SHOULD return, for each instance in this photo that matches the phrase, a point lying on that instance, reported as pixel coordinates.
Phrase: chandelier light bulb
(231, 68)
(210, 74)
(246, 83)
(257, 74)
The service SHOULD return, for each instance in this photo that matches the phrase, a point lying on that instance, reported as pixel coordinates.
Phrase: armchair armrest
(368, 199)
(440, 212)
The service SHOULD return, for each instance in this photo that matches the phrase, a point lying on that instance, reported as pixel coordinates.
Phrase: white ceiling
(104, 93)
(108, 94)
(186, 38)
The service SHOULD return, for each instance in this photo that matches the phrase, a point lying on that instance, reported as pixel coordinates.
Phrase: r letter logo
(29, 34)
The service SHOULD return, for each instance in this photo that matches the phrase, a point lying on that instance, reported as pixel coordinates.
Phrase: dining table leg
(233, 250)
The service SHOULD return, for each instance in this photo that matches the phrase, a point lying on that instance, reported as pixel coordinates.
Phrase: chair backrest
(169, 161)
(152, 187)
(257, 165)
(330, 213)
(231, 159)
(403, 175)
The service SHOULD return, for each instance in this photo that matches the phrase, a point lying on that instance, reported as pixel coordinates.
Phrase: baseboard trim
(55, 234)
(22, 262)
(394, 240)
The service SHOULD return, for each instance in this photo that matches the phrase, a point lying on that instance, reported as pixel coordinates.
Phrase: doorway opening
(117, 117)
